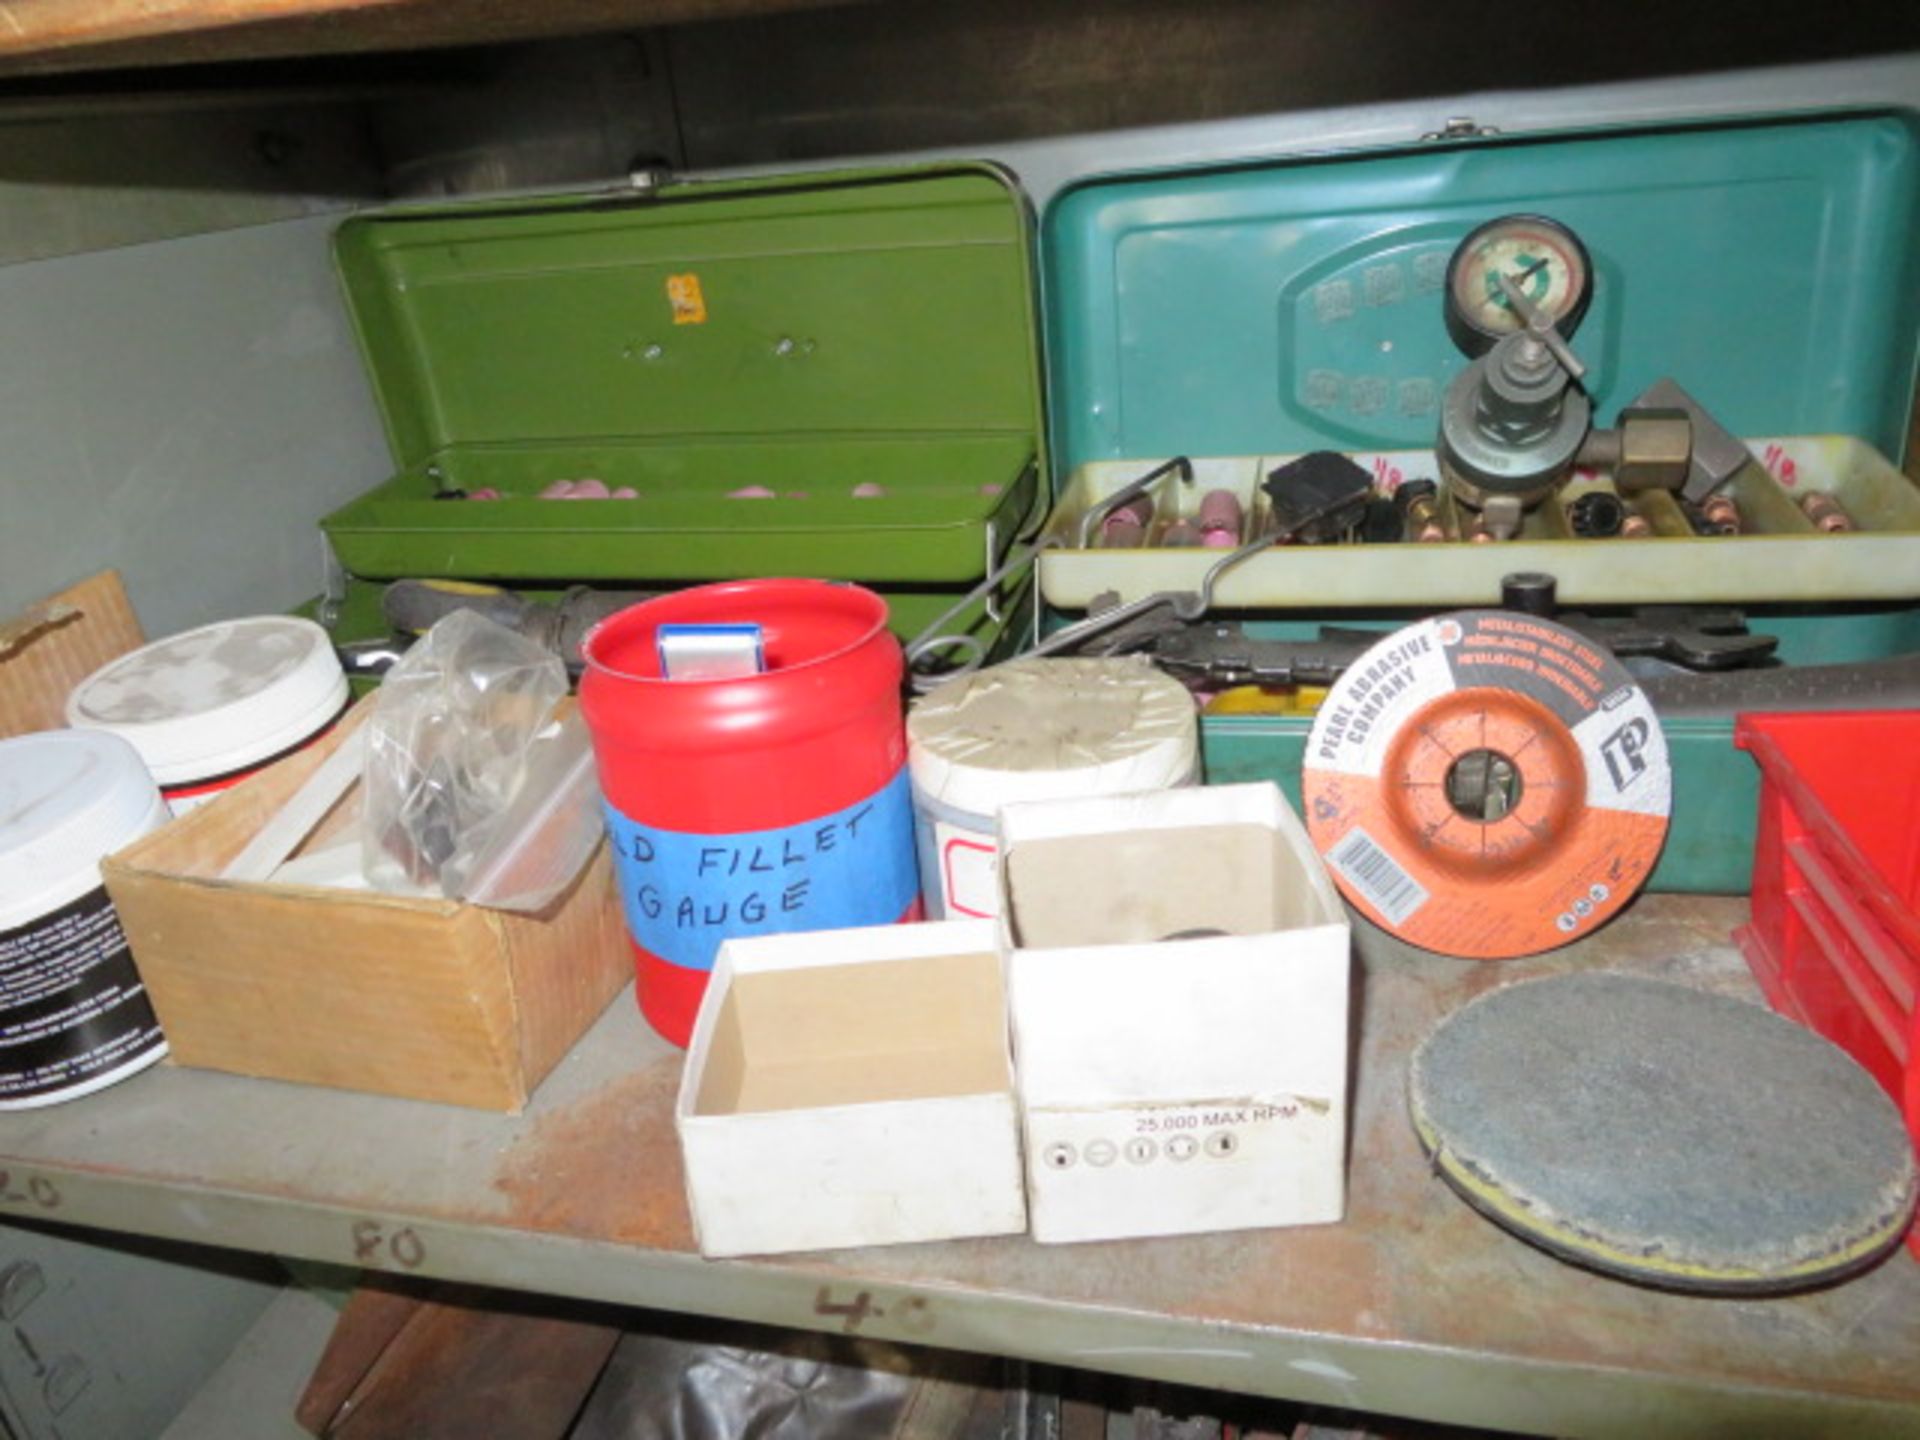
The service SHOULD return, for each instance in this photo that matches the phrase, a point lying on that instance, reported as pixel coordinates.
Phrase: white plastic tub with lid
(208, 707)
(74, 1016)
(1034, 729)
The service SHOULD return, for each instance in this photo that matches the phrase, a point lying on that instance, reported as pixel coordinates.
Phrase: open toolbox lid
(1261, 311)
(804, 335)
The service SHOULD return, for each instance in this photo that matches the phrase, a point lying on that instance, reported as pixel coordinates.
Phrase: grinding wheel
(1487, 785)
(1656, 1132)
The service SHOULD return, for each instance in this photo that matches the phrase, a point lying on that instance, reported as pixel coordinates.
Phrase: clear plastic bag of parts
(474, 785)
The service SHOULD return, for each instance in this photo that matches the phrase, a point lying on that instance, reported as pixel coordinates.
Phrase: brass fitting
(1721, 513)
(1423, 521)
(1647, 450)
(1825, 512)
(1655, 452)
(1419, 502)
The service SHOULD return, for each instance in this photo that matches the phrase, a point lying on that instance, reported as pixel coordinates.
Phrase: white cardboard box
(851, 1087)
(1169, 1086)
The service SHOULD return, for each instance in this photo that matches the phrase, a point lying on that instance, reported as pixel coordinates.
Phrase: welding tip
(1721, 514)
(1825, 512)
(1698, 521)
(1220, 514)
(1125, 527)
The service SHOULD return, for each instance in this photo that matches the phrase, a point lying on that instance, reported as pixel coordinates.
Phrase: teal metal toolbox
(1242, 313)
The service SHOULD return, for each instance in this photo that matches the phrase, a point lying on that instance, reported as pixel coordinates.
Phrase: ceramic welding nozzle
(1126, 526)
(1826, 513)
(1220, 519)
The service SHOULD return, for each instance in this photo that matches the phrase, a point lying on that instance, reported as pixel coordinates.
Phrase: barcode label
(1377, 876)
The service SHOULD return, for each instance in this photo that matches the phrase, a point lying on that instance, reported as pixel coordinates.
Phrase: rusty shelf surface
(53, 36)
(1414, 1306)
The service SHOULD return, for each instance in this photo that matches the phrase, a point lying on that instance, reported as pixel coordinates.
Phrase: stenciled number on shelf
(913, 1315)
(30, 1190)
(374, 1244)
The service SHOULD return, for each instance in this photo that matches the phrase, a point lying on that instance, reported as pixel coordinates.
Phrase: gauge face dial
(1544, 259)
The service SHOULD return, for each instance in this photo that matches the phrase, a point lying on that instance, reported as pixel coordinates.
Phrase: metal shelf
(53, 36)
(1414, 1306)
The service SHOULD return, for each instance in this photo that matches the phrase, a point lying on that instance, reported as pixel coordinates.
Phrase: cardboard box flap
(824, 1036)
(57, 643)
(1133, 869)
(198, 846)
(861, 945)
(851, 1017)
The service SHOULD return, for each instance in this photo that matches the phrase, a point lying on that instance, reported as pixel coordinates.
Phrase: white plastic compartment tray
(1778, 557)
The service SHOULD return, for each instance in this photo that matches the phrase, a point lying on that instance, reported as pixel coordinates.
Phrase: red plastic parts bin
(1835, 935)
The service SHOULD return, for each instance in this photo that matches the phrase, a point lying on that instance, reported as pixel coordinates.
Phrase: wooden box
(419, 997)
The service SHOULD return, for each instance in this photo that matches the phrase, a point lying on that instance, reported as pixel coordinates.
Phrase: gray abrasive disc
(1657, 1132)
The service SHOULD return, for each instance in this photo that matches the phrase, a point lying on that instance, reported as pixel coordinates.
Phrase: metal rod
(1540, 326)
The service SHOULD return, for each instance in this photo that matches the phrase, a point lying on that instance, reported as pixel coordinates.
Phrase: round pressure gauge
(1542, 258)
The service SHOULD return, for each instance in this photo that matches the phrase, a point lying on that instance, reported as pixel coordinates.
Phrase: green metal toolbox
(832, 375)
(1240, 314)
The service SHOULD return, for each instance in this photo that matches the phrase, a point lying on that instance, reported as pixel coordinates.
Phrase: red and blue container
(754, 804)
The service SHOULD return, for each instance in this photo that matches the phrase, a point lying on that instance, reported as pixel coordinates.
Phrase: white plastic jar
(209, 707)
(1035, 729)
(74, 1016)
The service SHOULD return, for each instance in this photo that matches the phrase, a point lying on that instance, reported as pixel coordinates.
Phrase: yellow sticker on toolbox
(689, 305)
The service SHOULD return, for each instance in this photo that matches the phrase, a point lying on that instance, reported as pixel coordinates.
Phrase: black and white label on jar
(73, 1012)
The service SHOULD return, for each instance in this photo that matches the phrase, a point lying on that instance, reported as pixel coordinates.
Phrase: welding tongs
(1186, 605)
(932, 640)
